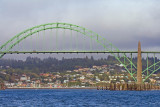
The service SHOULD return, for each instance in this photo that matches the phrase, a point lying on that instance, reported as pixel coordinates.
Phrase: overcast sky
(122, 22)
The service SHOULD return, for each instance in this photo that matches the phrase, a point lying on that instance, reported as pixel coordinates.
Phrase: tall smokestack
(139, 65)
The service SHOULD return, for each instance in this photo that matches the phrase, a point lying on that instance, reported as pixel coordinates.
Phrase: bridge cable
(22, 43)
(154, 62)
(77, 41)
(147, 65)
(51, 32)
(44, 39)
(131, 63)
(84, 42)
(39, 39)
(50, 35)
(71, 40)
(18, 44)
(124, 59)
(64, 32)
(56, 39)
(91, 43)
(31, 40)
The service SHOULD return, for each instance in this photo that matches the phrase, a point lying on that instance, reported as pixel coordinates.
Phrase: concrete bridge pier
(139, 65)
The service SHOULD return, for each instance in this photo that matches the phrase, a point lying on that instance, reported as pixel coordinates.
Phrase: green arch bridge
(106, 47)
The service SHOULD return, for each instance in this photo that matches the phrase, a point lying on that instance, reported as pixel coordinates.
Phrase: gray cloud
(123, 22)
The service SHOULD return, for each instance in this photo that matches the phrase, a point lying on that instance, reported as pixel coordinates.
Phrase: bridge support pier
(139, 65)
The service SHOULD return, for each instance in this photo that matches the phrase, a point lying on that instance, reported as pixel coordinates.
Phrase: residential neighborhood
(77, 78)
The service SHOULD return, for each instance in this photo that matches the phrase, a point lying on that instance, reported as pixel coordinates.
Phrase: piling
(131, 87)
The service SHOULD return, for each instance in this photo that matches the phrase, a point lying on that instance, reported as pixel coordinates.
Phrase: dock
(130, 87)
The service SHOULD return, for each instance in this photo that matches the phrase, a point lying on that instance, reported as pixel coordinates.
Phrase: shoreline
(55, 88)
(91, 88)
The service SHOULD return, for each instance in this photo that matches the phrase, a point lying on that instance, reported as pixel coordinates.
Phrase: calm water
(78, 98)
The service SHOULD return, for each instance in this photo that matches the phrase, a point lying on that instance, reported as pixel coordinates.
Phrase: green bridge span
(108, 47)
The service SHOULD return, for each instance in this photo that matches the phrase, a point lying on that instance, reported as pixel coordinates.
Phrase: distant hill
(55, 65)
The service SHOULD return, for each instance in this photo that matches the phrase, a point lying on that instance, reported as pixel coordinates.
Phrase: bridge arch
(102, 41)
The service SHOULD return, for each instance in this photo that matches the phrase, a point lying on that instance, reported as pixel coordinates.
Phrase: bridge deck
(38, 52)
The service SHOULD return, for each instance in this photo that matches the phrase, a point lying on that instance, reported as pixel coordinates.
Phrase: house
(89, 74)
(65, 81)
(152, 80)
(68, 71)
(82, 78)
(24, 78)
(2, 72)
(75, 70)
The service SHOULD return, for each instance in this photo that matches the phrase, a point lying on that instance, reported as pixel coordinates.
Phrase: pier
(130, 87)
